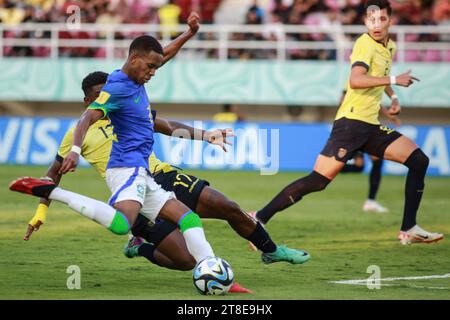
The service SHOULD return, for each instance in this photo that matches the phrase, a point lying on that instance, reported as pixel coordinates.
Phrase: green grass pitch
(342, 240)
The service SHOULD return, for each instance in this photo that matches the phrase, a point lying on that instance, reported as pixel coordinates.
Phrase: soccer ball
(213, 276)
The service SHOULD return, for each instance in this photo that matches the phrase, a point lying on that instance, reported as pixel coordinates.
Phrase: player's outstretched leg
(293, 193)
(404, 150)
(93, 209)
(214, 204)
(371, 205)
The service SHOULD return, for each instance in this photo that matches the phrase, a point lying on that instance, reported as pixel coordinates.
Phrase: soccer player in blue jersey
(124, 101)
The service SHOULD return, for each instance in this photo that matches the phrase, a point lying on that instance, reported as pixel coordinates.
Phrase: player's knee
(120, 224)
(418, 160)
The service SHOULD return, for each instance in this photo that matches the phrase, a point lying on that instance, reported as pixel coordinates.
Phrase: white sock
(93, 209)
(197, 244)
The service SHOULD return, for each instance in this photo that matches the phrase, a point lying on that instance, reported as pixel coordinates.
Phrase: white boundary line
(364, 281)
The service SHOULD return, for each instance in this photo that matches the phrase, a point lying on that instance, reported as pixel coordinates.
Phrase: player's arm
(89, 117)
(359, 79)
(172, 48)
(393, 111)
(395, 108)
(362, 57)
(178, 129)
(394, 119)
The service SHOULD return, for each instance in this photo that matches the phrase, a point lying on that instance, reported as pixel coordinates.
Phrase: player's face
(145, 66)
(94, 92)
(378, 23)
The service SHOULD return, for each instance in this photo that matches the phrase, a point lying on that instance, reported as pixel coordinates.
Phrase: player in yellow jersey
(356, 127)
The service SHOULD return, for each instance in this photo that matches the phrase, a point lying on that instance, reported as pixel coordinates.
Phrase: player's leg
(374, 183)
(210, 203)
(375, 177)
(163, 204)
(164, 246)
(325, 169)
(214, 204)
(391, 145)
(95, 210)
(404, 150)
(191, 227)
(345, 139)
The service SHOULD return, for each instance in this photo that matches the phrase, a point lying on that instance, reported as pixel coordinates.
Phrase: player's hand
(405, 79)
(395, 121)
(35, 223)
(219, 137)
(193, 22)
(31, 229)
(395, 108)
(70, 163)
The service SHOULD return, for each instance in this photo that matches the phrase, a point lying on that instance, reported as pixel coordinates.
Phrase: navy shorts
(350, 136)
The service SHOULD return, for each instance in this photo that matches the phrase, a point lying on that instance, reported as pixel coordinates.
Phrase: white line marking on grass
(363, 282)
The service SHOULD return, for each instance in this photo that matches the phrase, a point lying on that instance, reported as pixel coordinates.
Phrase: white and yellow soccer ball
(213, 276)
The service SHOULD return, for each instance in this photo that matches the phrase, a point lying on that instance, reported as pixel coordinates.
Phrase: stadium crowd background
(269, 13)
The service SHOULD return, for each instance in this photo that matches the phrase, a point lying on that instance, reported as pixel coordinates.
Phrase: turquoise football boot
(131, 248)
(283, 253)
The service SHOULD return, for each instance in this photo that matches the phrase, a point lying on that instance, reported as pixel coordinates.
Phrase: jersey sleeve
(362, 53)
(106, 102)
(66, 145)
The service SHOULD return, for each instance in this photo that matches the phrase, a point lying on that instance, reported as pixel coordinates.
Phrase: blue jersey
(126, 104)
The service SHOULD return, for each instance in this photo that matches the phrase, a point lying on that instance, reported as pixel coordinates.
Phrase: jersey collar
(387, 42)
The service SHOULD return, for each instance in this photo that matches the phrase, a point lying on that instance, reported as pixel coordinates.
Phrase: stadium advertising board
(268, 147)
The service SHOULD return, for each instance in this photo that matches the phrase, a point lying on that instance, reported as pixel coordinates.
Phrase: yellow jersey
(97, 146)
(364, 104)
(168, 17)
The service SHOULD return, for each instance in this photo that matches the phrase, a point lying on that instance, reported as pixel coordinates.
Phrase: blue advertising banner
(268, 147)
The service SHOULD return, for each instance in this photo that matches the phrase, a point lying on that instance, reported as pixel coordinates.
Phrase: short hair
(382, 4)
(145, 44)
(93, 79)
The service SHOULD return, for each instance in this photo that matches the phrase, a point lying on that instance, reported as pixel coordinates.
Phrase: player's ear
(134, 58)
(87, 101)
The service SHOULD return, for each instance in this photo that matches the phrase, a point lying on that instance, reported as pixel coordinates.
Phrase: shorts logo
(140, 191)
(342, 152)
(386, 129)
